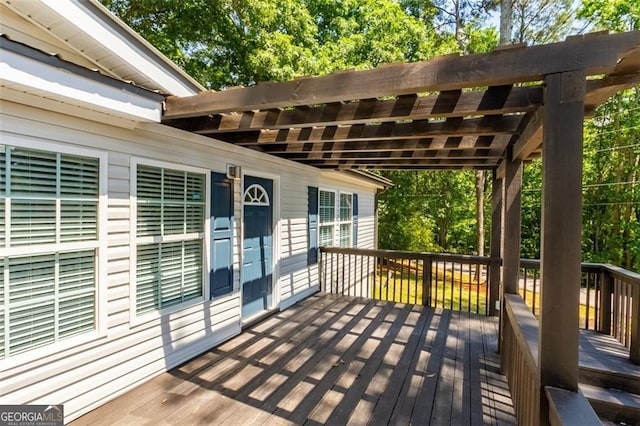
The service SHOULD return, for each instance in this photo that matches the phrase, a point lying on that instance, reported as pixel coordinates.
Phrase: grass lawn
(452, 290)
(456, 290)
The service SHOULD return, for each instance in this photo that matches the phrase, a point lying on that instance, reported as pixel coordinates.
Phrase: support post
(496, 238)
(426, 280)
(511, 216)
(561, 232)
(512, 221)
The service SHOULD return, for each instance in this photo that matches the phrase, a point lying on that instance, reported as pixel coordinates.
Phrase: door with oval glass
(257, 246)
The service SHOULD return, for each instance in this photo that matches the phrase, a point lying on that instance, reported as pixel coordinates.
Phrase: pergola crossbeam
(495, 100)
(479, 107)
(596, 54)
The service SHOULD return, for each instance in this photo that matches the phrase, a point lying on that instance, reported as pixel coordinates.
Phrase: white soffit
(91, 30)
(88, 90)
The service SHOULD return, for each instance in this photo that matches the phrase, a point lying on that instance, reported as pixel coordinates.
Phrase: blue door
(257, 246)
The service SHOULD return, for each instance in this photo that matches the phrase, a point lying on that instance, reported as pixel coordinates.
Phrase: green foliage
(612, 15)
(226, 43)
(428, 211)
(531, 210)
(611, 230)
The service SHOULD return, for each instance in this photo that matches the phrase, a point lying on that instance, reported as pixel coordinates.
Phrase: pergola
(490, 111)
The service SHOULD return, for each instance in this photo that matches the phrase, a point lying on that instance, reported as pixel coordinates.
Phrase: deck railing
(609, 296)
(609, 300)
(520, 359)
(448, 281)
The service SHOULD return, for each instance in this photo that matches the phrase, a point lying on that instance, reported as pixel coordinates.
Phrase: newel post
(561, 232)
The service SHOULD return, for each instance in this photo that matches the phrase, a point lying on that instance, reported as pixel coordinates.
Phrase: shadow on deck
(336, 360)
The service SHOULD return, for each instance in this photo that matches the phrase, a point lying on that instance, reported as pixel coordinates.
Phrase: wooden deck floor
(333, 360)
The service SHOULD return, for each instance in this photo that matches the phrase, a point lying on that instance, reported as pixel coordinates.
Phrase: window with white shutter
(170, 223)
(336, 219)
(48, 247)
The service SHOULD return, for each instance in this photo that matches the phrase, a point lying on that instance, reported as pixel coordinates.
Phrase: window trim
(100, 244)
(134, 318)
(336, 216)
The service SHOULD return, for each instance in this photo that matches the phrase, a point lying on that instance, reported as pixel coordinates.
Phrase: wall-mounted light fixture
(233, 171)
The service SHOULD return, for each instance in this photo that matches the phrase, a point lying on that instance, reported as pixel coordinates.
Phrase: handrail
(621, 273)
(569, 408)
(484, 260)
(520, 359)
(450, 281)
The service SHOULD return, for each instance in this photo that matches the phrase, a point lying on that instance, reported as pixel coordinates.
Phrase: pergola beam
(413, 154)
(382, 162)
(495, 143)
(446, 104)
(487, 125)
(596, 54)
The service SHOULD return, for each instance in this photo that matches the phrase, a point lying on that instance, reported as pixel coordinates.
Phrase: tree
(611, 228)
(613, 15)
(226, 43)
(542, 21)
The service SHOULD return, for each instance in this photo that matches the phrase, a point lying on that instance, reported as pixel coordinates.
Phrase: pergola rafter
(491, 101)
(446, 104)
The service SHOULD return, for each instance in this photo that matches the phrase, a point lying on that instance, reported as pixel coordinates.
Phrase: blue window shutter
(221, 274)
(355, 220)
(312, 252)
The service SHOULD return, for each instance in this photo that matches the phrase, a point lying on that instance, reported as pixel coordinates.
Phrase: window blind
(170, 203)
(47, 198)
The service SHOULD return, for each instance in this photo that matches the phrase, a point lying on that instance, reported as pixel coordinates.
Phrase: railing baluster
(436, 281)
(627, 328)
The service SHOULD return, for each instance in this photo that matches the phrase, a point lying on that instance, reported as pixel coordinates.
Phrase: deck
(333, 360)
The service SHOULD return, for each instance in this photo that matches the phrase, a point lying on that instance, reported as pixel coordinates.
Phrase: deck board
(333, 360)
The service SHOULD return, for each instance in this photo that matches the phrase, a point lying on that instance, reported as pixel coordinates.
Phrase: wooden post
(606, 289)
(426, 280)
(561, 232)
(634, 350)
(510, 243)
(496, 238)
(512, 220)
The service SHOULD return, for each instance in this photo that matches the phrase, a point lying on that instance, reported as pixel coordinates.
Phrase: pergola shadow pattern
(334, 360)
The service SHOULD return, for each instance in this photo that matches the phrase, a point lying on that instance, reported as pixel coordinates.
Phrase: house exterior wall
(125, 350)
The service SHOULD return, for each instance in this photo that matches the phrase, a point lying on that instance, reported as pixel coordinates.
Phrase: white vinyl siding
(170, 236)
(48, 238)
(336, 219)
(127, 349)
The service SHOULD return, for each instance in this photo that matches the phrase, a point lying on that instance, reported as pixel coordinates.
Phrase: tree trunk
(506, 12)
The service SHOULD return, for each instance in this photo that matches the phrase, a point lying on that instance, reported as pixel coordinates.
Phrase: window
(169, 231)
(336, 219)
(255, 195)
(345, 220)
(48, 247)
(327, 209)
